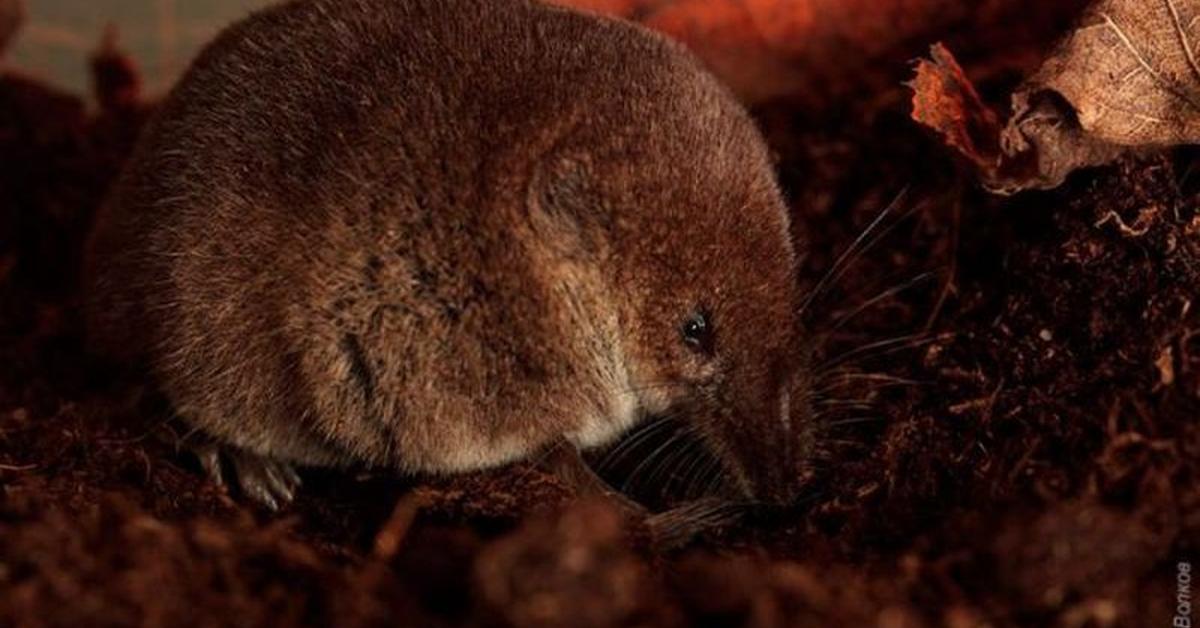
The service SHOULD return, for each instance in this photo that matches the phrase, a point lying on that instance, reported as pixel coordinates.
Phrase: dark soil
(1032, 453)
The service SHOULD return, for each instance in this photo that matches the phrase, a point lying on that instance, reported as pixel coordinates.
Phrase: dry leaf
(946, 101)
(1126, 78)
(1130, 71)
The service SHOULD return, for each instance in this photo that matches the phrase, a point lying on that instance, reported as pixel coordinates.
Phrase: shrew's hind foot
(271, 483)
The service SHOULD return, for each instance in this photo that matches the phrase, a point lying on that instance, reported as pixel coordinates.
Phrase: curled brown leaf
(945, 100)
(1126, 79)
(1129, 71)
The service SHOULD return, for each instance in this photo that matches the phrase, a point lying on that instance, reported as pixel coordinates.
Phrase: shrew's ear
(565, 208)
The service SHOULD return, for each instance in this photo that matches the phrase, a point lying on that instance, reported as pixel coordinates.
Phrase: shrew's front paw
(271, 483)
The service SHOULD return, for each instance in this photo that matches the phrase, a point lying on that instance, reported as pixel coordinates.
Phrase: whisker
(696, 516)
(842, 320)
(666, 463)
(633, 475)
(854, 421)
(181, 443)
(838, 408)
(850, 250)
(718, 475)
(825, 393)
(698, 462)
(692, 447)
(629, 443)
(857, 248)
(842, 442)
(884, 378)
(884, 347)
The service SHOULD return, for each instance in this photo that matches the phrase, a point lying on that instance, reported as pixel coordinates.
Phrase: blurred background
(161, 34)
(809, 50)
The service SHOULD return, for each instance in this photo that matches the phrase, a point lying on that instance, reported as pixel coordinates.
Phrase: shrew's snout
(771, 446)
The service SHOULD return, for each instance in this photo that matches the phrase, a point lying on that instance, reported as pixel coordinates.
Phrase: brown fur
(441, 235)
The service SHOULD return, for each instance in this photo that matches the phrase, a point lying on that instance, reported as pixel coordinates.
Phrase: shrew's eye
(698, 332)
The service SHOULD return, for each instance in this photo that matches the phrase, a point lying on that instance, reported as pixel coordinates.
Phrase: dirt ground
(1029, 453)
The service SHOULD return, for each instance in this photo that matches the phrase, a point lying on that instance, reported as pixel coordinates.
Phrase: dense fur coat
(439, 235)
